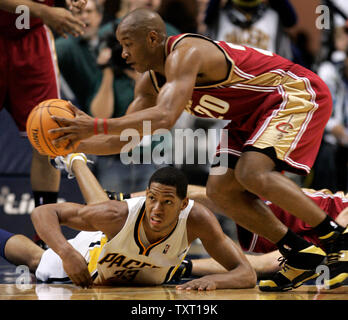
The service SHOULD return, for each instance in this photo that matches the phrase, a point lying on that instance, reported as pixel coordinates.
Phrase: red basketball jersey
(256, 83)
(8, 21)
(331, 203)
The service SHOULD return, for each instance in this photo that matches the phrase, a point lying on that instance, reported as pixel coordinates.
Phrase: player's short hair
(171, 176)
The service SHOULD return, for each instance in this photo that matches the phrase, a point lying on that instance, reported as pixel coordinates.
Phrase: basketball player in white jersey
(137, 241)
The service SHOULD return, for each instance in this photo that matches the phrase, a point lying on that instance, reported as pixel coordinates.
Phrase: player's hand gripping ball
(40, 122)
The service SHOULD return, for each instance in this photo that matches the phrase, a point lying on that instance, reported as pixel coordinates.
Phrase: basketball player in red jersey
(278, 112)
(29, 72)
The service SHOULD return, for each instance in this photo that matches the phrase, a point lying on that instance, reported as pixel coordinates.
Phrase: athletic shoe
(65, 163)
(336, 247)
(297, 268)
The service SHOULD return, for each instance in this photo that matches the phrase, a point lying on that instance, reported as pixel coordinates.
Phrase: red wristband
(105, 125)
(95, 126)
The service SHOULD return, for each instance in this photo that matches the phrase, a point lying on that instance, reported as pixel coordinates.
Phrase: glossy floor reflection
(71, 292)
(14, 287)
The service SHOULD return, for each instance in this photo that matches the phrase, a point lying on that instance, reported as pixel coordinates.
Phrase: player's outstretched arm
(181, 69)
(95, 141)
(47, 220)
(203, 224)
(100, 214)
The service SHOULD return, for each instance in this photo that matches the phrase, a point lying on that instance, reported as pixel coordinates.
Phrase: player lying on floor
(266, 261)
(261, 253)
(140, 241)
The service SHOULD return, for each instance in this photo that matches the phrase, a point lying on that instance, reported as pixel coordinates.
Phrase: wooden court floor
(168, 292)
(12, 288)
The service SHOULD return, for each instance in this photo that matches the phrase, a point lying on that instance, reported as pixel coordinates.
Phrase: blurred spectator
(335, 39)
(77, 58)
(330, 169)
(28, 74)
(182, 14)
(186, 16)
(130, 5)
(111, 99)
(252, 22)
(111, 7)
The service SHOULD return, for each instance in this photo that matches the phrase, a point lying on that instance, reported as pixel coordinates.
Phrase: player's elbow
(165, 122)
(165, 119)
(34, 216)
(37, 214)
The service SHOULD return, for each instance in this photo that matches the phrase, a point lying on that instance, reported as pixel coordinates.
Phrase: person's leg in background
(34, 78)
(19, 250)
(44, 179)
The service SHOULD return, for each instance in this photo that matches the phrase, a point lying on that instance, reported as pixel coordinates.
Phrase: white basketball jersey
(129, 258)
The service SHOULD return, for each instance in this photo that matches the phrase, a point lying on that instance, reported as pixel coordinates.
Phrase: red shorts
(332, 204)
(29, 73)
(290, 131)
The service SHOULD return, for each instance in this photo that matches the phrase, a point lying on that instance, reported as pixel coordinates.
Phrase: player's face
(134, 50)
(163, 207)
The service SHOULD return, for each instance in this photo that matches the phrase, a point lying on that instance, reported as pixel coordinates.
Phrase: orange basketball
(39, 122)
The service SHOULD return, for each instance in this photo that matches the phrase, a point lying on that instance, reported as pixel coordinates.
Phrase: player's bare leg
(20, 250)
(43, 176)
(237, 193)
(255, 172)
(231, 199)
(45, 182)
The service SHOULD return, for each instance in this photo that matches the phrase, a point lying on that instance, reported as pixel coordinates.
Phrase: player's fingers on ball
(62, 121)
(74, 109)
(70, 144)
(61, 140)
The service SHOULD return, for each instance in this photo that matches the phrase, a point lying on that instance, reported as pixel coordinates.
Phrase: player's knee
(223, 192)
(34, 262)
(213, 190)
(250, 179)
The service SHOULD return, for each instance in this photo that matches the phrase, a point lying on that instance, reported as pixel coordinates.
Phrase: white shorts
(50, 269)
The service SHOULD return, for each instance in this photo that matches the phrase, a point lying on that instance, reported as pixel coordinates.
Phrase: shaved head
(143, 21)
(142, 35)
